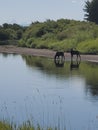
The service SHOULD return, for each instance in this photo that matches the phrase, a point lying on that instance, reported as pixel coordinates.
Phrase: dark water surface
(34, 88)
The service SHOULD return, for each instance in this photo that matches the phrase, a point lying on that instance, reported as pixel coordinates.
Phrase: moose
(75, 52)
(58, 55)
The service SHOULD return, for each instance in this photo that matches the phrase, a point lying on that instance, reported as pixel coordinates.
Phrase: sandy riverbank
(42, 52)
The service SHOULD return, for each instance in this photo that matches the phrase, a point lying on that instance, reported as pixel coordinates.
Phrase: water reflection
(29, 83)
(59, 62)
(4, 54)
(47, 66)
(74, 64)
(91, 75)
(87, 70)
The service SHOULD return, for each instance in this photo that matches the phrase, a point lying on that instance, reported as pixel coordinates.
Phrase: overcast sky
(28, 11)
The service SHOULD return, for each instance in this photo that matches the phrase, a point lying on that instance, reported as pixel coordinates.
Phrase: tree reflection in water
(87, 70)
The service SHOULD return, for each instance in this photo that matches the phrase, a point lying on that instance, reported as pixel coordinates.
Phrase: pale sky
(28, 11)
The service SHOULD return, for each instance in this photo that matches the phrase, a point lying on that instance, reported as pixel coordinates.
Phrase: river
(36, 89)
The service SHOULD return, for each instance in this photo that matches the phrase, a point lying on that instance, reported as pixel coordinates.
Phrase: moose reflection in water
(59, 63)
(74, 64)
(75, 52)
(59, 59)
(86, 70)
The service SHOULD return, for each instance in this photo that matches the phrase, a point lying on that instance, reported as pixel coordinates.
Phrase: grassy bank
(62, 34)
(25, 126)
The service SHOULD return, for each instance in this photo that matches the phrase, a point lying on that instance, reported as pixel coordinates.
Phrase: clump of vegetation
(11, 34)
(5, 126)
(62, 34)
(25, 126)
(89, 47)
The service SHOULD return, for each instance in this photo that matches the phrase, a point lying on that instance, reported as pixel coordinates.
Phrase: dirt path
(42, 52)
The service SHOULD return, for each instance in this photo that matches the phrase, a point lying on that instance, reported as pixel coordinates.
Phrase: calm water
(35, 88)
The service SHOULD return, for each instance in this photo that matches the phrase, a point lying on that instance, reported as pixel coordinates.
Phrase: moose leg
(55, 57)
(71, 57)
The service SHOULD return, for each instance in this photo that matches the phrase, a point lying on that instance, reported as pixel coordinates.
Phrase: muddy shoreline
(42, 52)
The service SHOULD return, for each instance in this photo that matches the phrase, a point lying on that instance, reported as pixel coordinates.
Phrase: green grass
(5, 126)
(25, 126)
(89, 47)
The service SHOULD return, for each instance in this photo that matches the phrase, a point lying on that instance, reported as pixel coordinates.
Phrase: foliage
(25, 126)
(62, 34)
(9, 32)
(91, 9)
(89, 47)
(5, 126)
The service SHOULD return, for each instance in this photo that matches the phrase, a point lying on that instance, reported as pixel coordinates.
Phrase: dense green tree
(11, 33)
(87, 10)
(19, 34)
(4, 35)
(91, 9)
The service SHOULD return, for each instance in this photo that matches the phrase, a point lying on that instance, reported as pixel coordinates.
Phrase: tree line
(91, 9)
(11, 32)
(15, 31)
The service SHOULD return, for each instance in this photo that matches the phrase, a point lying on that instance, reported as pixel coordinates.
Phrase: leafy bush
(10, 32)
(89, 47)
(62, 34)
